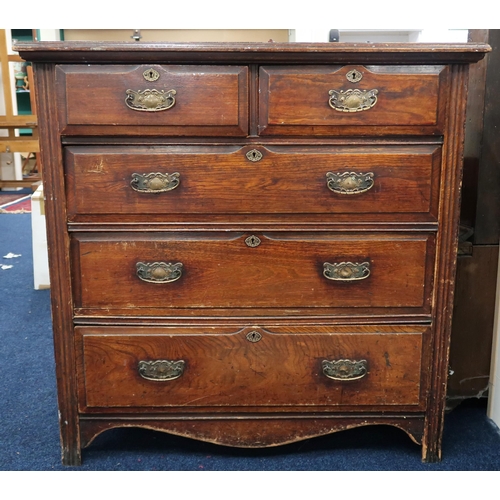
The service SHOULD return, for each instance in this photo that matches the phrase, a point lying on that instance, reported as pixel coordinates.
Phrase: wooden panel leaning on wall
(252, 324)
(11, 123)
(476, 286)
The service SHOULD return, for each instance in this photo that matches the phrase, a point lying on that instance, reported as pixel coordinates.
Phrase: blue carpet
(29, 435)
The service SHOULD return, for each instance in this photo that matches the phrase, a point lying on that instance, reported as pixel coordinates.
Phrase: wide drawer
(153, 99)
(354, 100)
(264, 180)
(220, 366)
(203, 271)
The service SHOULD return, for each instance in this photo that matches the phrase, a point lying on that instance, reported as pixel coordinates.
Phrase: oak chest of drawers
(251, 244)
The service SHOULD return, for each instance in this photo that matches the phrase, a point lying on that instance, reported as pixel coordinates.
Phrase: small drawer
(159, 272)
(390, 181)
(354, 100)
(326, 368)
(153, 100)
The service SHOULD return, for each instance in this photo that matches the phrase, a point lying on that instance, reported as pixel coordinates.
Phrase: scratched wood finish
(221, 271)
(260, 432)
(212, 99)
(106, 319)
(294, 99)
(247, 53)
(280, 370)
(222, 180)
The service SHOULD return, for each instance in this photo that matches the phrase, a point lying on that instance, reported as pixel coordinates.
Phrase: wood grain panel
(257, 432)
(211, 98)
(221, 271)
(59, 266)
(294, 100)
(244, 53)
(225, 369)
(221, 180)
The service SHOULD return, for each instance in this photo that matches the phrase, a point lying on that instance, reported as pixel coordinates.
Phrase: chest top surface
(133, 52)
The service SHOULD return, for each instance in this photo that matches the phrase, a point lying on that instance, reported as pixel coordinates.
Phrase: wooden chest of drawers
(251, 244)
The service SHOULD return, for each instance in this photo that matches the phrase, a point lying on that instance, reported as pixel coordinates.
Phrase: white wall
(374, 36)
(494, 387)
(49, 35)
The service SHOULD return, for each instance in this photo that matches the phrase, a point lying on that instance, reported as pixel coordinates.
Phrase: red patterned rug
(19, 206)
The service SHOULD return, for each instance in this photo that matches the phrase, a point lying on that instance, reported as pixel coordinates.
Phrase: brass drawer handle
(150, 99)
(159, 272)
(346, 271)
(345, 369)
(352, 100)
(349, 182)
(161, 370)
(155, 182)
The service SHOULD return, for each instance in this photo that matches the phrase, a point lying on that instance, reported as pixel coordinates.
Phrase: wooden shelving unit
(16, 126)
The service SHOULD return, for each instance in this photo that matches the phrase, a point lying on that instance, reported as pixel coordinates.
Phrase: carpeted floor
(29, 436)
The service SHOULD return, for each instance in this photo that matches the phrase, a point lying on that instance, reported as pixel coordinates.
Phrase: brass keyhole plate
(253, 336)
(254, 155)
(354, 76)
(151, 75)
(253, 241)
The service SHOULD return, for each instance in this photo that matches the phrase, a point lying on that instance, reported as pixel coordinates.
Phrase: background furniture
(474, 303)
(19, 123)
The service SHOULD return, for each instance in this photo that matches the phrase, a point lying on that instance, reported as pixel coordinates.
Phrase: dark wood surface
(226, 370)
(308, 53)
(473, 132)
(408, 100)
(258, 432)
(474, 305)
(221, 180)
(220, 271)
(473, 324)
(487, 222)
(405, 227)
(209, 100)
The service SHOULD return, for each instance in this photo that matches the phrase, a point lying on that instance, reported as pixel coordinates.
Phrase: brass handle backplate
(159, 272)
(346, 271)
(150, 99)
(352, 100)
(155, 182)
(349, 182)
(161, 370)
(345, 369)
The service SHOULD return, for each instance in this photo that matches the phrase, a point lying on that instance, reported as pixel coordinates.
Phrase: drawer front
(181, 100)
(200, 271)
(354, 100)
(200, 367)
(260, 180)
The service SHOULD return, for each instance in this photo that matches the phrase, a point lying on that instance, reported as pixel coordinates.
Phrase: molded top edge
(242, 51)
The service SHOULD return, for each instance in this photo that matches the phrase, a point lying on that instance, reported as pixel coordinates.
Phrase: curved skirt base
(254, 432)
